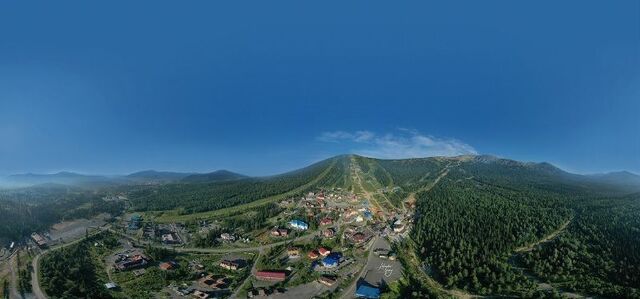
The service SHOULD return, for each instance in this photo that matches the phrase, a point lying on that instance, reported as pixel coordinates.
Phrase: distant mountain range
(216, 176)
(63, 178)
(473, 211)
(157, 176)
(623, 179)
(141, 177)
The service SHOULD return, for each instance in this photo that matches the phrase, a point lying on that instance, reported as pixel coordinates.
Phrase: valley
(349, 226)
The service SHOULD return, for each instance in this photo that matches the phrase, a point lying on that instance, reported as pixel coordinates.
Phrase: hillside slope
(472, 217)
(474, 212)
(208, 196)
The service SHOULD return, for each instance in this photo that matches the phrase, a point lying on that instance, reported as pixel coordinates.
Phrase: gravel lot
(382, 270)
(69, 230)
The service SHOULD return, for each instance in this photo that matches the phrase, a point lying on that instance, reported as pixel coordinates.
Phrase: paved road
(260, 249)
(35, 263)
(351, 290)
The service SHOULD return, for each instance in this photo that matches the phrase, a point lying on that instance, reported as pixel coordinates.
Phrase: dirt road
(542, 285)
(411, 199)
(35, 282)
(253, 272)
(357, 175)
(415, 261)
(547, 238)
(13, 285)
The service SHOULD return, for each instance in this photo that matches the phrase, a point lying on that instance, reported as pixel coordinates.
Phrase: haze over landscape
(260, 91)
(358, 149)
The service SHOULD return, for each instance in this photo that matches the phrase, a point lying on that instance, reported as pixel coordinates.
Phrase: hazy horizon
(188, 171)
(266, 90)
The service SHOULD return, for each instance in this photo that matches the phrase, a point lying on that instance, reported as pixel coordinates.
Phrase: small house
(167, 266)
(293, 252)
(229, 265)
(323, 251)
(326, 221)
(227, 237)
(313, 254)
(326, 280)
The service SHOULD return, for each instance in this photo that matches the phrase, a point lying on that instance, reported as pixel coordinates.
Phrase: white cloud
(405, 143)
(338, 136)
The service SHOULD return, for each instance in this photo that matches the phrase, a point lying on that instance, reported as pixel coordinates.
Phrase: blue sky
(263, 87)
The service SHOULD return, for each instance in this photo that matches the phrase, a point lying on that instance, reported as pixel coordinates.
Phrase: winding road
(547, 238)
(542, 285)
(35, 263)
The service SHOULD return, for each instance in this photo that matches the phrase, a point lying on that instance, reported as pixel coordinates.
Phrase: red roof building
(280, 232)
(271, 275)
(359, 237)
(328, 233)
(326, 221)
(323, 251)
(166, 266)
(313, 254)
(137, 260)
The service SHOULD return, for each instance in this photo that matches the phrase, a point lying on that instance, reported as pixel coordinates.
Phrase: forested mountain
(216, 176)
(477, 215)
(621, 178)
(473, 217)
(25, 210)
(157, 176)
(478, 220)
(207, 196)
(100, 181)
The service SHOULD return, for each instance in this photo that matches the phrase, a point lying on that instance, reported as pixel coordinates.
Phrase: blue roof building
(367, 291)
(134, 221)
(331, 260)
(298, 224)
